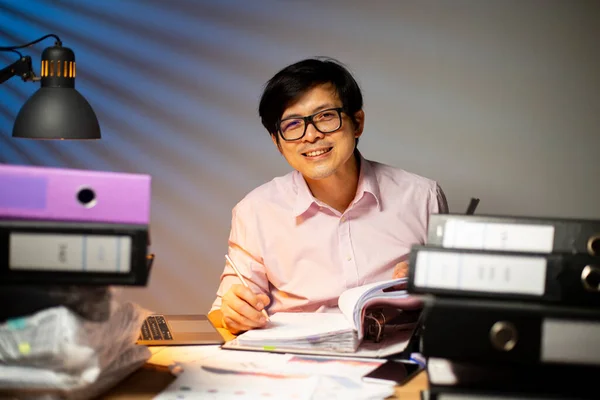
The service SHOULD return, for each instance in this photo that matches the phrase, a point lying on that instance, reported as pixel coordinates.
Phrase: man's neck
(339, 189)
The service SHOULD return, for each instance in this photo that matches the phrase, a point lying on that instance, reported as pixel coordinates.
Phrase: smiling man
(337, 221)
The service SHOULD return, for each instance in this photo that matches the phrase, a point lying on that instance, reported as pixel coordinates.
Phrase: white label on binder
(440, 371)
(570, 341)
(69, 252)
(480, 272)
(497, 236)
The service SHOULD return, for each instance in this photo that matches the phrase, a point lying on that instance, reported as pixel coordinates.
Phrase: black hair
(286, 87)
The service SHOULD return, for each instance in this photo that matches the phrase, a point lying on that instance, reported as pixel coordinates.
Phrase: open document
(335, 334)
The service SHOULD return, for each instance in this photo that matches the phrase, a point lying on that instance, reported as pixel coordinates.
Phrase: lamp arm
(22, 67)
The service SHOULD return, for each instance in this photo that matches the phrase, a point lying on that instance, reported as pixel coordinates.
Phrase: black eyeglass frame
(309, 120)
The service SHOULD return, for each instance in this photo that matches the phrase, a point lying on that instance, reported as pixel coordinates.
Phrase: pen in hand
(237, 272)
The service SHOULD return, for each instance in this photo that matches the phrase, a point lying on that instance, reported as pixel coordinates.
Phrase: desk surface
(148, 381)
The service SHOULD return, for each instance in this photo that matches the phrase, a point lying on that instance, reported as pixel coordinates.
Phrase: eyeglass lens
(325, 121)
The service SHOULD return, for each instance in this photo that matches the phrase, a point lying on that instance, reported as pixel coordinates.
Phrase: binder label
(570, 341)
(69, 252)
(480, 272)
(498, 236)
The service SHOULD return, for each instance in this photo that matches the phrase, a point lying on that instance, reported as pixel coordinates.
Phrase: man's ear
(359, 117)
(275, 139)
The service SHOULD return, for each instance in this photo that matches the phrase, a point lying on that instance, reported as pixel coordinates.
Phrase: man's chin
(317, 175)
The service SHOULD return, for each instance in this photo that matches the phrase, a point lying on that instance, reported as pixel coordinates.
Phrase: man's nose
(312, 134)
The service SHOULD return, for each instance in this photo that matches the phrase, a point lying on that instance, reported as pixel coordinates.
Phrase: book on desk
(378, 307)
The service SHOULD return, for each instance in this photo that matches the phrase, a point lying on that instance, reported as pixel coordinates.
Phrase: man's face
(318, 155)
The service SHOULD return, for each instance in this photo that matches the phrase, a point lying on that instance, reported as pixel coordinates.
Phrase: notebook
(338, 333)
(165, 330)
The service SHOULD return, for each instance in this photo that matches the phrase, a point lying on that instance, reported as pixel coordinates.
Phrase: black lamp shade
(57, 110)
(56, 113)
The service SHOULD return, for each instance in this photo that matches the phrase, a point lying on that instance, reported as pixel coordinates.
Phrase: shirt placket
(347, 251)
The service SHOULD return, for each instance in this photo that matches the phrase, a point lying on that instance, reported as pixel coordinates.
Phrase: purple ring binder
(60, 194)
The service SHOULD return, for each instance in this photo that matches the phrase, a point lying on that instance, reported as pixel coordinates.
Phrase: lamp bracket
(22, 68)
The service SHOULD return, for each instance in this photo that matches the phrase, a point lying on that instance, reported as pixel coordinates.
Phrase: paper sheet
(393, 342)
(290, 364)
(288, 326)
(240, 374)
(197, 383)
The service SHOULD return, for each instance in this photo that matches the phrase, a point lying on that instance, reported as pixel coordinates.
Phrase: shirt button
(348, 258)
(344, 218)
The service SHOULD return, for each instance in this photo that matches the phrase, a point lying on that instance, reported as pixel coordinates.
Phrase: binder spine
(553, 379)
(496, 331)
(518, 234)
(46, 252)
(569, 279)
(58, 194)
(463, 334)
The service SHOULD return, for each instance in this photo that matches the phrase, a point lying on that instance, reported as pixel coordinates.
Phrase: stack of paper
(317, 331)
(329, 332)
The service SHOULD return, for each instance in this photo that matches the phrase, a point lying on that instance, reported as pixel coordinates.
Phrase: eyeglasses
(325, 121)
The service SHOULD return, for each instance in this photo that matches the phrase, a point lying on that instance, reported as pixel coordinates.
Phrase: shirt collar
(367, 183)
(304, 198)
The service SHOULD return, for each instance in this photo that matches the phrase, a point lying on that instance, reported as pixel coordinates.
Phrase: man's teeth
(317, 153)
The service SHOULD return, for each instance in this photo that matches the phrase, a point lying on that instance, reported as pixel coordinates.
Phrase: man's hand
(401, 270)
(241, 309)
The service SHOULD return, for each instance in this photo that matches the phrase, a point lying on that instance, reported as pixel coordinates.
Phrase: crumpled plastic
(56, 353)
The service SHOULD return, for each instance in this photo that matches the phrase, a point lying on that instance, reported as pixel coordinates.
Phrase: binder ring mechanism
(504, 336)
(590, 278)
(374, 325)
(593, 245)
(381, 321)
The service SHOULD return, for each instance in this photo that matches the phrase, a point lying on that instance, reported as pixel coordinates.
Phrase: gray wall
(494, 99)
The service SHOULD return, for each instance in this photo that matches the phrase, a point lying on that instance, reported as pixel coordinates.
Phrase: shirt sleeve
(244, 251)
(442, 203)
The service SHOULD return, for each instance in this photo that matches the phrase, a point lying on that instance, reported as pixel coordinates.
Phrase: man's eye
(326, 115)
(292, 124)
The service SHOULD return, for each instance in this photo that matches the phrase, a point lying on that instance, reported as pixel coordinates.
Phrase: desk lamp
(56, 110)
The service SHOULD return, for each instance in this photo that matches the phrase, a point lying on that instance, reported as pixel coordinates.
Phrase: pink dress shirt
(304, 254)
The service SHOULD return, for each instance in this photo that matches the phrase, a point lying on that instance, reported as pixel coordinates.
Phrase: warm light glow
(67, 70)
